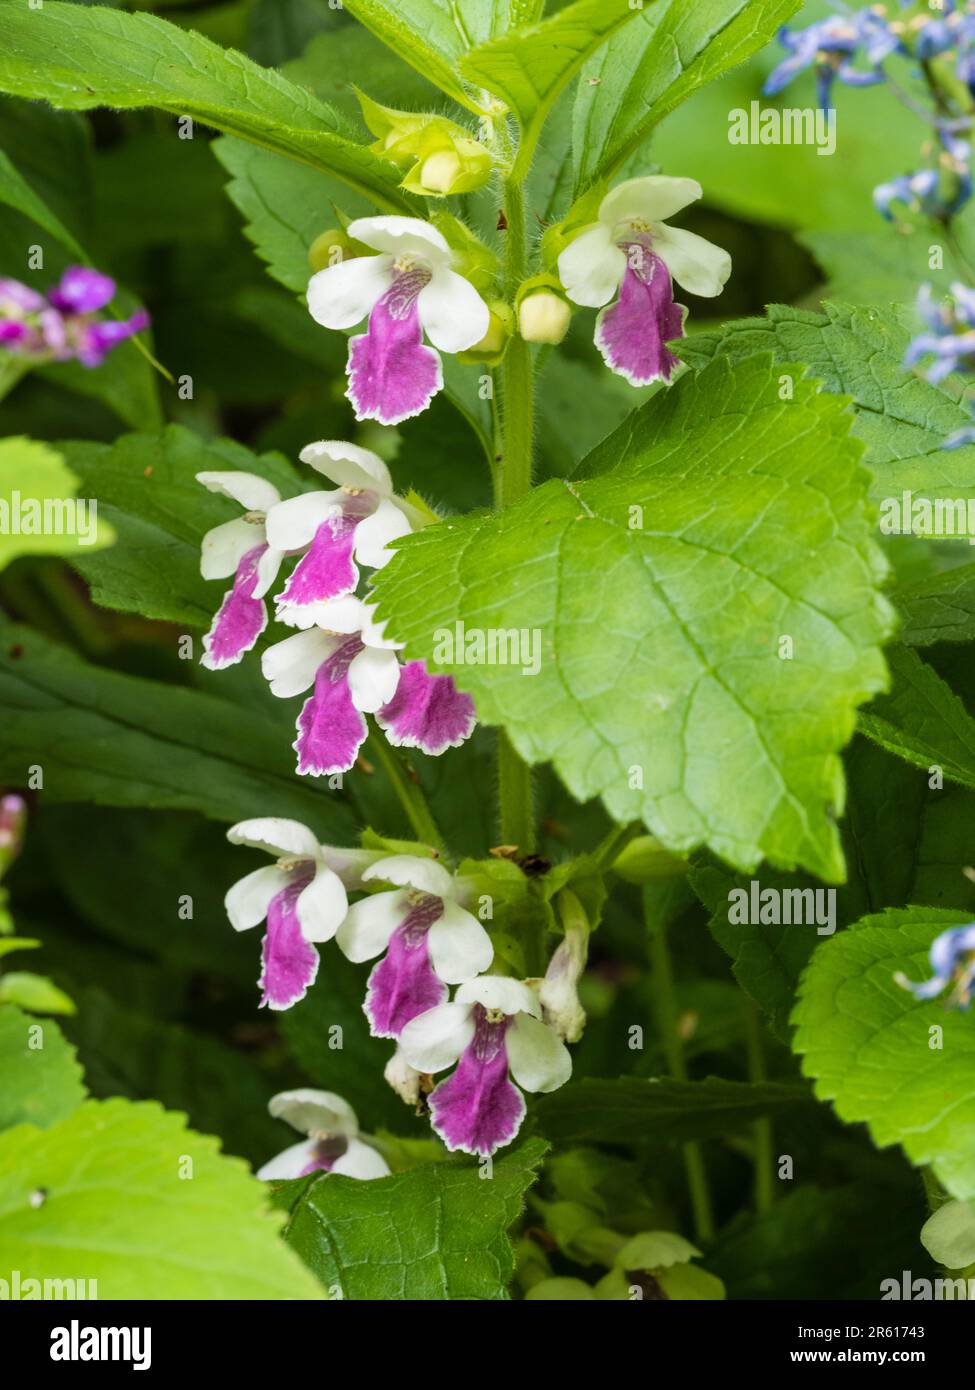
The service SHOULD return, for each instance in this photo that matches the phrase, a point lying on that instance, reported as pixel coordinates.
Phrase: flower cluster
(63, 325)
(414, 286)
(853, 47)
(426, 941)
(339, 652)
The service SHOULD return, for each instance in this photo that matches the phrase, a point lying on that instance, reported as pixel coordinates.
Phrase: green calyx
(438, 156)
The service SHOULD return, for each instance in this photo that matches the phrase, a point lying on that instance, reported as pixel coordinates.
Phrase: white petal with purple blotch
(254, 494)
(373, 535)
(538, 1058)
(344, 294)
(459, 946)
(591, 267)
(277, 835)
(500, 992)
(314, 1112)
(247, 901)
(373, 678)
(322, 906)
(369, 924)
(402, 236)
(653, 198)
(292, 524)
(436, 1039)
(361, 1161)
(452, 313)
(349, 465)
(695, 263)
(224, 546)
(290, 666)
(292, 1162)
(412, 871)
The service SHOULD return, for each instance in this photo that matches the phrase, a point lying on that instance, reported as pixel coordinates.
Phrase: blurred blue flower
(952, 957)
(831, 46)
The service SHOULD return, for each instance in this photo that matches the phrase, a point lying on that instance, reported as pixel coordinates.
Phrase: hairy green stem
(407, 791)
(513, 481)
(762, 1137)
(669, 1030)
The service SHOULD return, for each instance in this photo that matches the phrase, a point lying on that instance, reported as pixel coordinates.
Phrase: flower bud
(437, 155)
(440, 171)
(543, 317)
(558, 991)
(492, 346)
(332, 247)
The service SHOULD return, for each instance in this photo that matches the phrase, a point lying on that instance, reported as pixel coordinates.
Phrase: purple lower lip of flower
(633, 333)
(82, 291)
(404, 983)
(290, 963)
(392, 374)
(330, 728)
(478, 1109)
(427, 712)
(241, 618)
(327, 569)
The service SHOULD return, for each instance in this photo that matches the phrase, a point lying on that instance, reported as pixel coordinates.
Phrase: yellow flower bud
(440, 171)
(543, 317)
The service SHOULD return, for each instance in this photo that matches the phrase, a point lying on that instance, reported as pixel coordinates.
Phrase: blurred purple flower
(62, 326)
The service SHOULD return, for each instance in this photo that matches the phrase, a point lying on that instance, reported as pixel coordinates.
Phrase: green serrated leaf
(922, 720)
(40, 513)
(41, 1077)
(646, 71)
(78, 57)
(119, 740)
(432, 35)
(902, 419)
(529, 67)
(715, 520)
(939, 609)
(442, 1229)
(142, 1205)
(867, 1043)
(632, 1110)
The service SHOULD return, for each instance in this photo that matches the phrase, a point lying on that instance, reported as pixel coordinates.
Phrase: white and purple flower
(408, 289)
(239, 548)
(429, 941)
(952, 957)
(493, 1026)
(333, 1144)
(301, 897)
(631, 249)
(354, 670)
(341, 529)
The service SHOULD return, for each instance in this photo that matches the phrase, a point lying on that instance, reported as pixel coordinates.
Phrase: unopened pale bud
(440, 171)
(330, 248)
(544, 317)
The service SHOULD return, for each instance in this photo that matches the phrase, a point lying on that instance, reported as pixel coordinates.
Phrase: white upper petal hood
(344, 294)
(348, 465)
(253, 493)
